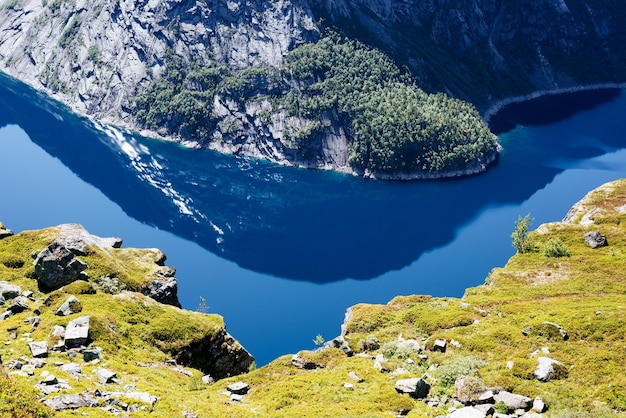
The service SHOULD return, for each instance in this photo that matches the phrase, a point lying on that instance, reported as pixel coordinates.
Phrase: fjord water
(282, 252)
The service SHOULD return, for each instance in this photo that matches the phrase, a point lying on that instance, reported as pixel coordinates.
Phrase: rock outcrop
(56, 266)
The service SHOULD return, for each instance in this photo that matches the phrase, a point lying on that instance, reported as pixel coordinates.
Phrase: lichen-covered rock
(415, 387)
(63, 402)
(56, 266)
(164, 288)
(75, 238)
(512, 400)
(71, 306)
(77, 332)
(595, 239)
(549, 369)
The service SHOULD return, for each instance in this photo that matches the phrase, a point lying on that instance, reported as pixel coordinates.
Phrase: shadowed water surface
(281, 252)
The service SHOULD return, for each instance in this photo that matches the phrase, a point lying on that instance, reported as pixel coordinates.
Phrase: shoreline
(497, 106)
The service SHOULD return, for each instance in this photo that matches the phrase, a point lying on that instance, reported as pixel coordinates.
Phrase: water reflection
(297, 224)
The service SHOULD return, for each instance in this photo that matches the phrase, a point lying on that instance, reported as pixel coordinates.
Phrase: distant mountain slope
(246, 79)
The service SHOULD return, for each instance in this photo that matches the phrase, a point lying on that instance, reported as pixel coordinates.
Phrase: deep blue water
(282, 252)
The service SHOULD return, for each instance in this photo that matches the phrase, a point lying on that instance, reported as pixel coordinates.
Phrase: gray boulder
(414, 387)
(77, 332)
(63, 402)
(238, 388)
(467, 412)
(440, 345)
(75, 238)
(105, 376)
(513, 401)
(9, 291)
(539, 405)
(164, 288)
(19, 304)
(594, 239)
(73, 370)
(71, 306)
(549, 369)
(56, 266)
(90, 354)
(39, 348)
(4, 232)
(340, 343)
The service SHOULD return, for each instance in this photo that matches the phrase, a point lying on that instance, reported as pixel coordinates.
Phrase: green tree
(521, 241)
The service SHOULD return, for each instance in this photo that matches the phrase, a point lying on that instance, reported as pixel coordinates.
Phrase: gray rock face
(75, 238)
(56, 266)
(77, 332)
(71, 306)
(340, 343)
(415, 387)
(594, 239)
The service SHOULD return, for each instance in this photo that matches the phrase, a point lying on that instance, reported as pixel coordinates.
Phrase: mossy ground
(584, 293)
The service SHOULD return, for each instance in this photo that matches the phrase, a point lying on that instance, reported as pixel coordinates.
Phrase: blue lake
(282, 252)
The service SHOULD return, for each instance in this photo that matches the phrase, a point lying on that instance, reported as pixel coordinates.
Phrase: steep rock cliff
(487, 50)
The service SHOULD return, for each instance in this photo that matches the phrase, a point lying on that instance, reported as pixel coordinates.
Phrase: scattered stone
(463, 305)
(39, 349)
(595, 239)
(455, 344)
(164, 288)
(171, 362)
(29, 294)
(539, 405)
(5, 315)
(236, 398)
(341, 344)
(63, 402)
(90, 354)
(9, 291)
(380, 364)
(348, 386)
(549, 369)
(49, 379)
(14, 365)
(526, 331)
(58, 331)
(467, 412)
(510, 364)
(56, 266)
(19, 304)
(37, 363)
(355, 377)
(33, 321)
(399, 371)
(71, 306)
(105, 376)
(144, 397)
(208, 379)
(183, 371)
(4, 233)
(239, 388)
(77, 332)
(564, 334)
(512, 401)
(73, 370)
(440, 345)
(300, 363)
(189, 414)
(415, 387)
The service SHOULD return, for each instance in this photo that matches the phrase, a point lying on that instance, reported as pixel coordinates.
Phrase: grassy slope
(584, 293)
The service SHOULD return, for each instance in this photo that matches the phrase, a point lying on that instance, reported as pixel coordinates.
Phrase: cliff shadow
(297, 224)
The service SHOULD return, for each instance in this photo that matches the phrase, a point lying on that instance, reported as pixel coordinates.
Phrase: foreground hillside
(544, 334)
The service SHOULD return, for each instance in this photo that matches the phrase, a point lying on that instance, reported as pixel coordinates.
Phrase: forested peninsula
(378, 89)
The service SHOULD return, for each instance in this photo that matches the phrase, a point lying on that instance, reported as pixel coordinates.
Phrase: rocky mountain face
(98, 57)
(484, 51)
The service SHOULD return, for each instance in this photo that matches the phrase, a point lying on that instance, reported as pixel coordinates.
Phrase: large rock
(594, 239)
(9, 291)
(39, 348)
(415, 387)
(549, 369)
(77, 332)
(164, 288)
(56, 266)
(512, 400)
(62, 402)
(467, 412)
(75, 238)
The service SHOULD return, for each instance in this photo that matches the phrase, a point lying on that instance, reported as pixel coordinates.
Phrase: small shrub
(554, 247)
(319, 340)
(389, 349)
(109, 284)
(501, 408)
(370, 343)
(451, 370)
(521, 241)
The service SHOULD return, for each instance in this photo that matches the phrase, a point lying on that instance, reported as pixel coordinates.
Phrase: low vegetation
(569, 308)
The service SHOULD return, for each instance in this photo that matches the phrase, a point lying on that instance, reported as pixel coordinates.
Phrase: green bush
(554, 247)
